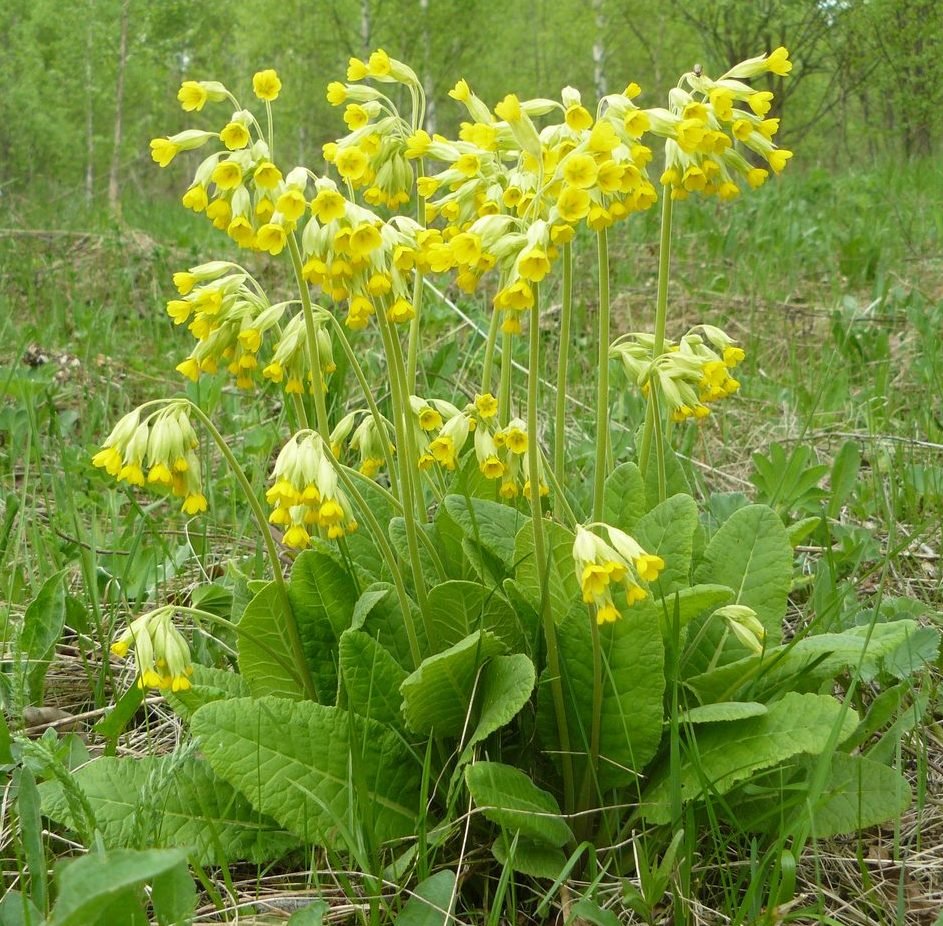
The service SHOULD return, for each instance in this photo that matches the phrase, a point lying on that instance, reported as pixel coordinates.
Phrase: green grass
(834, 285)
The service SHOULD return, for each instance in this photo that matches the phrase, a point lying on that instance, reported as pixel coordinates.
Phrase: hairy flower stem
(661, 319)
(563, 361)
(314, 352)
(412, 356)
(540, 552)
(377, 533)
(294, 636)
(602, 377)
(380, 421)
(406, 458)
(585, 821)
(487, 366)
(504, 389)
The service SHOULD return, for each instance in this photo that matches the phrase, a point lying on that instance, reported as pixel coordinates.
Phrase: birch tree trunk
(114, 200)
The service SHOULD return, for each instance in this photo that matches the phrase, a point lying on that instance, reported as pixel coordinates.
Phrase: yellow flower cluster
(689, 374)
(305, 495)
(161, 653)
(163, 443)
(706, 132)
(621, 561)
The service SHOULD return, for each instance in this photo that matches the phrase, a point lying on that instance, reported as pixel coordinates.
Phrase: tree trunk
(599, 49)
(89, 109)
(114, 200)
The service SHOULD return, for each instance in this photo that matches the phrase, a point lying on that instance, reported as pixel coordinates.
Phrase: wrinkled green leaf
(88, 883)
(723, 712)
(506, 685)
(458, 608)
(668, 531)
(322, 596)
(430, 903)
(298, 762)
(506, 796)
(633, 684)
(535, 859)
(371, 678)
(728, 753)
(207, 684)
(42, 627)
(624, 497)
(562, 586)
(165, 802)
(438, 694)
(491, 524)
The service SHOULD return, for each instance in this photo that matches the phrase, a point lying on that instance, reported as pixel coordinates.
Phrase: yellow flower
(194, 503)
(580, 171)
(578, 118)
(195, 198)
(356, 69)
(487, 405)
(649, 566)
(267, 175)
(292, 204)
(364, 239)
(163, 150)
(266, 85)
(636, 123)
(509, 109)
(336, 93)
(722, 101)
(533, 265)
(460, 91)
(401, 311)
(355, 116)
(378, 65)
(234, 136)
(192, 96)
(756, 177)
(328, 206)
(760, 102)
(351, 163)
(777, 62)
(777, 159)
(227, 175)
(573, 204)
(271, 237)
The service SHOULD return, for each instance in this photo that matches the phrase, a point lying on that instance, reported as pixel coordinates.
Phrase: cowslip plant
(465, 622)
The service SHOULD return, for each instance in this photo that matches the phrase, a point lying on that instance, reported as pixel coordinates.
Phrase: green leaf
(506, 796)
(624, 497)
(264, 647)
(588, 911)
(398, 538)
(438, 694)
(805, 663)
(16, 909)
(858, 793)
(563, 588)
(915, 652)
(42, 628)
(173, 896)
(633, 684)
(6, 755)
(431, 902)
(371, 678)
(751, 554)
(322, 596)
(844, 476)
(89, 883)
(166, 802)
(668, 531)
(31, 835)
(723, 712)
(207, 684)
(312, 915)
(535, 859)
(799, 530)
(458, 608)
(113, 724)
(379, 615)
(505, 687)
(311, 767)
(490, 524)
(676, 481)
(726, 754)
